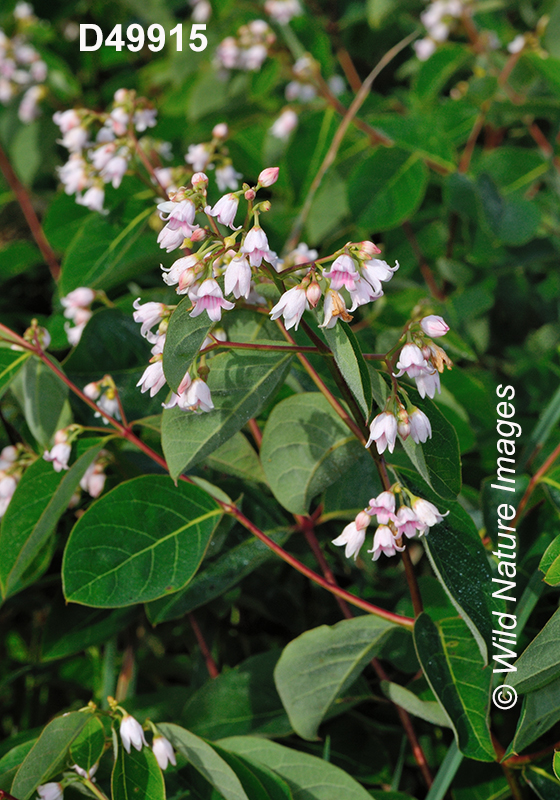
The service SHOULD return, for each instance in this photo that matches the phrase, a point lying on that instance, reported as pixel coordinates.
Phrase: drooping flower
(82, 297)
(163, 751)
(333, 308)
(144, 118)
(132, 733)
(420, 427)
(8, 456)
(85, 773)
(184, 272)
(428, 383)
(383, 431)
(434, 326)
(114, 171)
(209, 297)
(192, 396)
(198, 157)
(93, 479)
(149, 314)
(282, 11)
(353, 535)
(227, 177)
(375, 270)
(50, 791)
(225, 210)
(291, 306)
(383, 507)
(285, 124)
(384, 542)
(152, 378)
(92, 199)
(237, 277)
(256, 246)
(427, 512)
(412, 362)
(407, 523)
(8, 485)
(58, 455)
(343, 273)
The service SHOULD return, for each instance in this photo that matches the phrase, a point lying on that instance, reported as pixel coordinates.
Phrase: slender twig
(295, 348)
(533, 483)
(228, 508)
(256, 432)
(213, 670)
(31, 217)
(338, 137)
(412, 583)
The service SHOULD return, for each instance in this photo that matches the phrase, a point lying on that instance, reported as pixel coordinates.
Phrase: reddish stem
(533, 483)
(31, 217)
(213, 670)
(255, 432)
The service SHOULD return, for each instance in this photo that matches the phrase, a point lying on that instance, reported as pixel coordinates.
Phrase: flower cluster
(438, 19)
(421, 360)
(101, 145)
(12, 463)
(21, 67)
(93, 480)
(77, 308)
(282, 11)
(104, 394)
(132, 735)
(407, 519)
(248, 49)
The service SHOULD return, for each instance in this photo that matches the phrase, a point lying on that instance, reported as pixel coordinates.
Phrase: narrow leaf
(539, 663)
(425, 709)
(540, 711)
(43, 399)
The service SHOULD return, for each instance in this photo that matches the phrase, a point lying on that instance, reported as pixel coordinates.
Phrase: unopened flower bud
(220, 131)
(269, 176)
(265, 206)
(199, 179)
(92, 390)
(313, 293)
(362, 520)
(198, 235)
(434, 326)
(249, 194)
(368, 250)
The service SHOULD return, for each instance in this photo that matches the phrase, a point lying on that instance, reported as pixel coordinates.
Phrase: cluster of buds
(77, 308)
(104, 394)
(21, 67)
(202, 156)
(439, 18)
(282, 11)
(248, 49)
(101, 145)
(413, 516)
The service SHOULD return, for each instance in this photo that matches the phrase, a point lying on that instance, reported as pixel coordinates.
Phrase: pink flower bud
(434, 326)
(250, 194)
(220, 131)
(362, 520)
(198, 235)
(313, 294)
(199, 179)
(265, 206)
(92, 391)
(269, 176)
(368, 250)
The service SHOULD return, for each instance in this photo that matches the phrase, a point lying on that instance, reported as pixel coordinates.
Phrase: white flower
(8, 456)
(119, 120)
(420, 428)
(256, 246)
(375, 270)
(291, 306)
(428, 383)
(225, 210)
(412, 362)
(383, 507)
(163, 752)
(92, 390)
(353, 535)
(253, 57)
(434, 326)
(149, 314)
(198, 157)
(333, 308)
(8, 485)
(383, 431)
(361, 293)
(82, 297)
(93, 480)
(227, 178)
(184, 271)
(407, 522)
(192, 396)
(228, 53)
(209, 298)
(59, 456)
(83, 773)
(384, 542)
(114, 170)
(110, 405)
(282, 11)
(92, 199)
(50, 791)
(132, 733)
(75, 139)
(426, 512)
(73, 174)
(29, 108)
(285, 124)
(343, 273)
(66, 120)
(152, 378)
(74, 333)
(424, 48)
(237, 277)
(144, 118)
(220, 131)
(517, 45)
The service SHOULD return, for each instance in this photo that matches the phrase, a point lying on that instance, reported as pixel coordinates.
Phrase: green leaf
(555, 763)
(509, 221)
(247, 700)
(102, 255)
(308, 777)
(328, 209)
(237, 457)
(143, 540)
(320, 664)
(185, 336)
(455, 671)
(542, 783)
(63, 219)
(378, 10)
(446, 773)
(539, 663)
(87, 748)
(540, 711)
(542, 430)
(258, 782)
(351, 363)
(137, 775)
(41, 498)
(466, 578)
(351, 493)
(425, 709)
(217, 578)
(305, 448)
(11, 361)
(17, 257)
(48, 755)
(71, 629)
(438, 69)
(10, 763)
(204, 758)
(241, 383)
(43, 399)
(417, 133)
(387, 188)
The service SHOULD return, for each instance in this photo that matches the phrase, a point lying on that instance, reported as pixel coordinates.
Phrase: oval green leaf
(137, 775)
